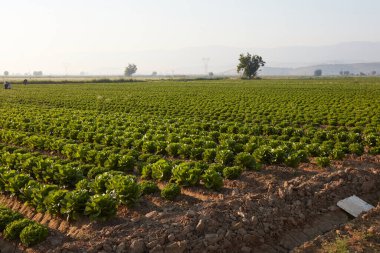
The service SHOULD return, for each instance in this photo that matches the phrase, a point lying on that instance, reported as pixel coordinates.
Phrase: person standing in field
(7, 85)
(25, 81)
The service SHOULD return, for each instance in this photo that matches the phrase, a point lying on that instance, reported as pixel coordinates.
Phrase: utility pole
(205, 62)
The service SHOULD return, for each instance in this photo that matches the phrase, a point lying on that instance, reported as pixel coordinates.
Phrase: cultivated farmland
(186, 166)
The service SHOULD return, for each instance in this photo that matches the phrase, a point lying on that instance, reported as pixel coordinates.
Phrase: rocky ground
(359, 235)
(277, 209)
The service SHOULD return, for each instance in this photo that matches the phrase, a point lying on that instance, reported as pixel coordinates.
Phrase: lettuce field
(87, 151)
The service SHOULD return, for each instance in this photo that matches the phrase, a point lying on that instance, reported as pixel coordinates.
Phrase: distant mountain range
(350, 56)
(327, 69)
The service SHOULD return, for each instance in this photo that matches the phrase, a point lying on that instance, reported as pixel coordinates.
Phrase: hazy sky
(42, 34)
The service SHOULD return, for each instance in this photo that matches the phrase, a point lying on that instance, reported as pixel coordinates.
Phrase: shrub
(161, 170)
(225, 157)
(39, 195)
(212, 179)
(149, 147)
(99, 184)
(33, 234)
(209, 155)
(323, 161)
(112, 162)
(375, 150)
(250, 147)
(185, 151)
(68, 175)
(29, 189)
(232, 172)
(125, 188)
(53, 201)
(101, 207)
(196, 153)
(278, 155)
(148, 187)
(245, 160)
(74, 203)
(292, 160)
(302, 155)
(84, 184)
(263, 154)
(173, 149)
(356, 148)
(92, 173)
(170, 191)
(126, 163)
(337, 154)
(153, 158)
(7, 216)
(186, 174)
(12, 230)
(16, 183)
(146, 172)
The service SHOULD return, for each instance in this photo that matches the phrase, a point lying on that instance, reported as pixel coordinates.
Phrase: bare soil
(277, 209)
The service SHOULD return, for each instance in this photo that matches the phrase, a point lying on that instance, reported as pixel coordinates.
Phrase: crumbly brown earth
(359, 235)
(277, 209)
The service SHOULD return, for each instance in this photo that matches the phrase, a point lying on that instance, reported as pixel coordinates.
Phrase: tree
(6, 73)
(37, 73)
(250, 65)
(154, 73)
(318, 72)
(130, 70)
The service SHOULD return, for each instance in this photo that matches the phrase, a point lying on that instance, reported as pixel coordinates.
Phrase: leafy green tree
(130, 70)
(250, 65)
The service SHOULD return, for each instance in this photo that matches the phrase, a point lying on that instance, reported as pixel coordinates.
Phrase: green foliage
(16, 183)
(130, 70)
(84, 184)
(53, 201)
(232, 172)
(292, 160)
(263, 154)
(124, 188)
(161, 170)
(226, 122)
(96, 171)
(322, 161)
(126, 163)
(171, 191)
(245, 160)
(186, 174)
(148, 187)
(173, 149)
(225, 157)
(33, 234)
(212, 179)
(146, 172)
(356, 148)
(12, 230)
(217, 167)
(101, 207)
(7, 216)
(250, 65)
(74, 203)
(209, 155)
(100, 182)
(39, 195)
